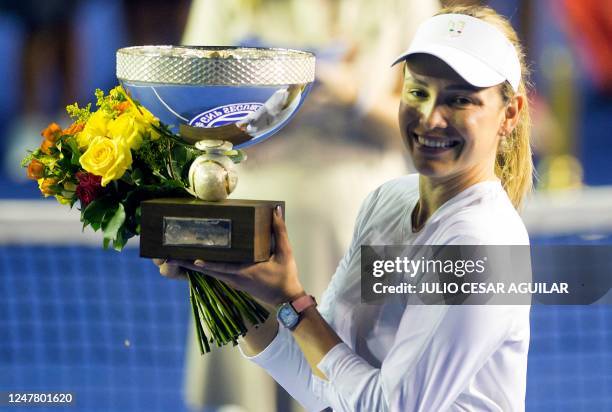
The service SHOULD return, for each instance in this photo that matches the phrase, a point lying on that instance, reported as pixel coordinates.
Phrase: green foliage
(180, 161)
(28, 158)
(154, 154)
(112, 227)
(75, 153)
(79, 114)
(109, 102)
(95, 212)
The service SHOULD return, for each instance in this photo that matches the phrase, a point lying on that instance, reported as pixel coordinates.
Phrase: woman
(464, 118)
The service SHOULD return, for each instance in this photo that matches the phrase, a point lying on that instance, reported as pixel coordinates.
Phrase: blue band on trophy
(222, 115)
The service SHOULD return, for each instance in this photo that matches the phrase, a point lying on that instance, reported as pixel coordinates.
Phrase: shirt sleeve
(285, 363)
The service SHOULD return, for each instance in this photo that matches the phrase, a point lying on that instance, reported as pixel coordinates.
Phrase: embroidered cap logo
(455, 28)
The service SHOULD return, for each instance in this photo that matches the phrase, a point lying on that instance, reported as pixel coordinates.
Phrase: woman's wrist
(288, 294)
(260, 336)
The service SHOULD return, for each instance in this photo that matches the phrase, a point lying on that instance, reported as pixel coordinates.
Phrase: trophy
(219, 99)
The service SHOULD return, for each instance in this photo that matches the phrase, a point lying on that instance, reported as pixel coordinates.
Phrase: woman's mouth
(434, 144)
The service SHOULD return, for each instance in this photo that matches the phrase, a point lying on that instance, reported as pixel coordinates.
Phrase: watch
(289, 313)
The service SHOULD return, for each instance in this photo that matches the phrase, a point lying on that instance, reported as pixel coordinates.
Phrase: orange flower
(47, 186)
(123, 106)
(73, 129)
(46, 146)
(35, 169)
(52, 132)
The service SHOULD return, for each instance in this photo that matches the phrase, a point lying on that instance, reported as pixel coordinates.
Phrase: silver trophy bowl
(217, 98)
(257, 89)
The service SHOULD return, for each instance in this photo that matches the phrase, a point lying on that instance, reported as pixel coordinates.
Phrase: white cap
(476, 50)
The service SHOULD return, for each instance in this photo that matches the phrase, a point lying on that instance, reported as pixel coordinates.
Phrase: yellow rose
(128, 129)
(97, 125)
(142, 114)
(147, 118)
(108, 158)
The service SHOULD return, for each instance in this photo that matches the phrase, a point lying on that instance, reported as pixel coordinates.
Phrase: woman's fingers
(281, 238)
(170, 269)
(227, 268)
(159, 262)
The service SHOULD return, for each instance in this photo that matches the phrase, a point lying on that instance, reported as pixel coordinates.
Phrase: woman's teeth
(436, 143)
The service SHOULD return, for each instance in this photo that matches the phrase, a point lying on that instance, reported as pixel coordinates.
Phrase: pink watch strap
(303, 302)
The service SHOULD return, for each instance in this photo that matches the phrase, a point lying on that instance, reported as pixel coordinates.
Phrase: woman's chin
(433, 169)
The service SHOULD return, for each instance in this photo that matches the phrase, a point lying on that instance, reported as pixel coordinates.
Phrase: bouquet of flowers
(111, 159)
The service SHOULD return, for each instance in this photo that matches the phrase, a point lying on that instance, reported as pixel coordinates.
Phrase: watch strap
(303, 302)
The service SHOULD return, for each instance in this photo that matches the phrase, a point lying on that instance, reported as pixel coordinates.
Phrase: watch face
(288, 316)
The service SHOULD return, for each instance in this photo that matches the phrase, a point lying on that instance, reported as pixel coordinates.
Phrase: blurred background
(108, 328)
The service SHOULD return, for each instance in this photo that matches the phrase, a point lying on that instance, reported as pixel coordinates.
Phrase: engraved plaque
(194, 232)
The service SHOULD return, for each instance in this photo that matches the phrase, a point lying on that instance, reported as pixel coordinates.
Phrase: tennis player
(464, 118)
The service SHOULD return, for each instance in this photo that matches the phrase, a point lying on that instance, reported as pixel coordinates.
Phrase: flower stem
(222, 310)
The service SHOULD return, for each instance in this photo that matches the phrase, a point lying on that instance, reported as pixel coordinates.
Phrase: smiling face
(451, 128)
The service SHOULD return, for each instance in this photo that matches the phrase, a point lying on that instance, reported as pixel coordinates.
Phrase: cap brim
(471, 69)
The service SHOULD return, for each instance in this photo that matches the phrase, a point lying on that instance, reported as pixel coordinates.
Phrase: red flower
(89, 188)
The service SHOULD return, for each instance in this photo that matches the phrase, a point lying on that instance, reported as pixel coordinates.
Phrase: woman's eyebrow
(417, 81)
(450, 87)
(463, 87)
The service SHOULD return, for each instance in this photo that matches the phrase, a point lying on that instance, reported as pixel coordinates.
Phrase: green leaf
(120, 241)
(112, 227)
(137, 176)
(159, 175)
(178, 160)
(74, 150)
(26, 160)
(95, 211)
(127, 178)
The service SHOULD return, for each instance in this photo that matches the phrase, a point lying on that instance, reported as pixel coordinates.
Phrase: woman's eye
(419, 94)
(459, 101)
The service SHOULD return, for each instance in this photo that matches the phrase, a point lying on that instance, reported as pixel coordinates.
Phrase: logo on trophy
(221, 100)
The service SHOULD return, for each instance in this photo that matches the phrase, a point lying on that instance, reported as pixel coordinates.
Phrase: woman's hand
(274, 281)
(170, 268)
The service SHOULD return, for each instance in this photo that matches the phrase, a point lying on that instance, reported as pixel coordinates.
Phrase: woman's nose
(432, 117)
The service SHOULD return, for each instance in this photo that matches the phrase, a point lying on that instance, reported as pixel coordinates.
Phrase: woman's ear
(512, 113)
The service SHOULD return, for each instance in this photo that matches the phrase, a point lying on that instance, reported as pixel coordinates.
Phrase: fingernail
(199, 263)
(278, 210)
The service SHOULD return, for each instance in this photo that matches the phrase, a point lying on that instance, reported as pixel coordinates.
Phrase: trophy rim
(194, 65)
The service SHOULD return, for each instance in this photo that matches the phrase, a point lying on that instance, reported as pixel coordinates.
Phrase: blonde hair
(513, 162)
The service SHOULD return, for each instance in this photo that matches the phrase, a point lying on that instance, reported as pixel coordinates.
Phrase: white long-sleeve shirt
(401, 357)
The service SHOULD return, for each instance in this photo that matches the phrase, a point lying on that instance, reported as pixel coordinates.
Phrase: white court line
(585, 211)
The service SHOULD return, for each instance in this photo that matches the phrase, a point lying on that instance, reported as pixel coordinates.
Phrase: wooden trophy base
(231, 230)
